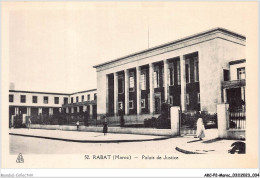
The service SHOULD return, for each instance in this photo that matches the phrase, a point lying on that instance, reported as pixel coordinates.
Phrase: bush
(189, 120)
(158, 123)
(18, 122)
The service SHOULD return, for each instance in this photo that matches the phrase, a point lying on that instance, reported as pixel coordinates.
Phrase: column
(243, 97)
(175, 119)
(107, 94)
(225, 95)
(223, 120)
(40, 111)
(16, 109)
(126, 92)
(50, 111)
(138, 90)
(115, 93)
(28, 112)
(165, 81)
(243, 93)
(84, 108)
(151, 70)
(78, 109)
(183, 84)
(72, 109)
(67, 110)
(90, 111)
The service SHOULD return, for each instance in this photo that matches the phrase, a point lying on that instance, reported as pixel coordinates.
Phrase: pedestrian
(29, 123)
(200, 129)
(77, 125)
(105, 126)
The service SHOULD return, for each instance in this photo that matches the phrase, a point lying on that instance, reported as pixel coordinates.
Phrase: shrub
(18, 121)
(189, 119)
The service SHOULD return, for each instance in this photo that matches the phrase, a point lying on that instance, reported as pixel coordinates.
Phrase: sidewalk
(211, 144)
(84, 137)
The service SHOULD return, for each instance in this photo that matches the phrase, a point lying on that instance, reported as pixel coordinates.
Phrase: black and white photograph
(129, 84)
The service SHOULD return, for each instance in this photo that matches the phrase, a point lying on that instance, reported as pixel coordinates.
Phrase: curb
(186, 151)
(91, 141)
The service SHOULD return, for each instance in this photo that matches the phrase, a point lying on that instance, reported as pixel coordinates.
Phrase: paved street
(39, 141)
(29, 145)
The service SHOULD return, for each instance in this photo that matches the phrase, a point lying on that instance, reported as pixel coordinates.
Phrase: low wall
(174, 131)
(141, 131)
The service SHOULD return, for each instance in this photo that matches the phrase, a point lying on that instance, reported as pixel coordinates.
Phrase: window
(187, 70)
(196, 69)
(226, 74)
(65, 100)
(34, 99)
(95, 96)
(120, 105)
(45, 99)
(131, 82)
(131, 104)
(82, 98)
(56, 100)
(178, 73)
(77, 99)
(88, 97)
(187, 99)
(23, 98)
(171, 100)
(171, 73)
(143, 80)
(11, 98)
(198, 98)
(241, 73)
(120, 84)
(156, 77)
(142, 103)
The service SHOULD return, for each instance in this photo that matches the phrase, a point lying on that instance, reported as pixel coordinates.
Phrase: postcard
(129, 84)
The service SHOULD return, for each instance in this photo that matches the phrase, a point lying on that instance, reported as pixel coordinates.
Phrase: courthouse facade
(188, 73)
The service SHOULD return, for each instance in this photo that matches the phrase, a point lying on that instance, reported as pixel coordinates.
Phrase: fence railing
(237, 119)
(63, 119)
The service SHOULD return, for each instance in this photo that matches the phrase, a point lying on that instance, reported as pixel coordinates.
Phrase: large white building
(191, 72)
(195, 73)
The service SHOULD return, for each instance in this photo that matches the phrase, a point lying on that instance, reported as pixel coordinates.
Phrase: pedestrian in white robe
(200, 129)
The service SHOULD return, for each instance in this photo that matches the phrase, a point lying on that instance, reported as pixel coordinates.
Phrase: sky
(54, 46)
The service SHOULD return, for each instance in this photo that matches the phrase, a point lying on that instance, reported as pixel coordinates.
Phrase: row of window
(241, 74)
(131, 102)
(194, 68)
(35, 99)
(82, 98)
(156, 75)
(46, 99)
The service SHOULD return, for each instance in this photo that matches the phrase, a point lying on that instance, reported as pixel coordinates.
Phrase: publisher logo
(20, 158)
